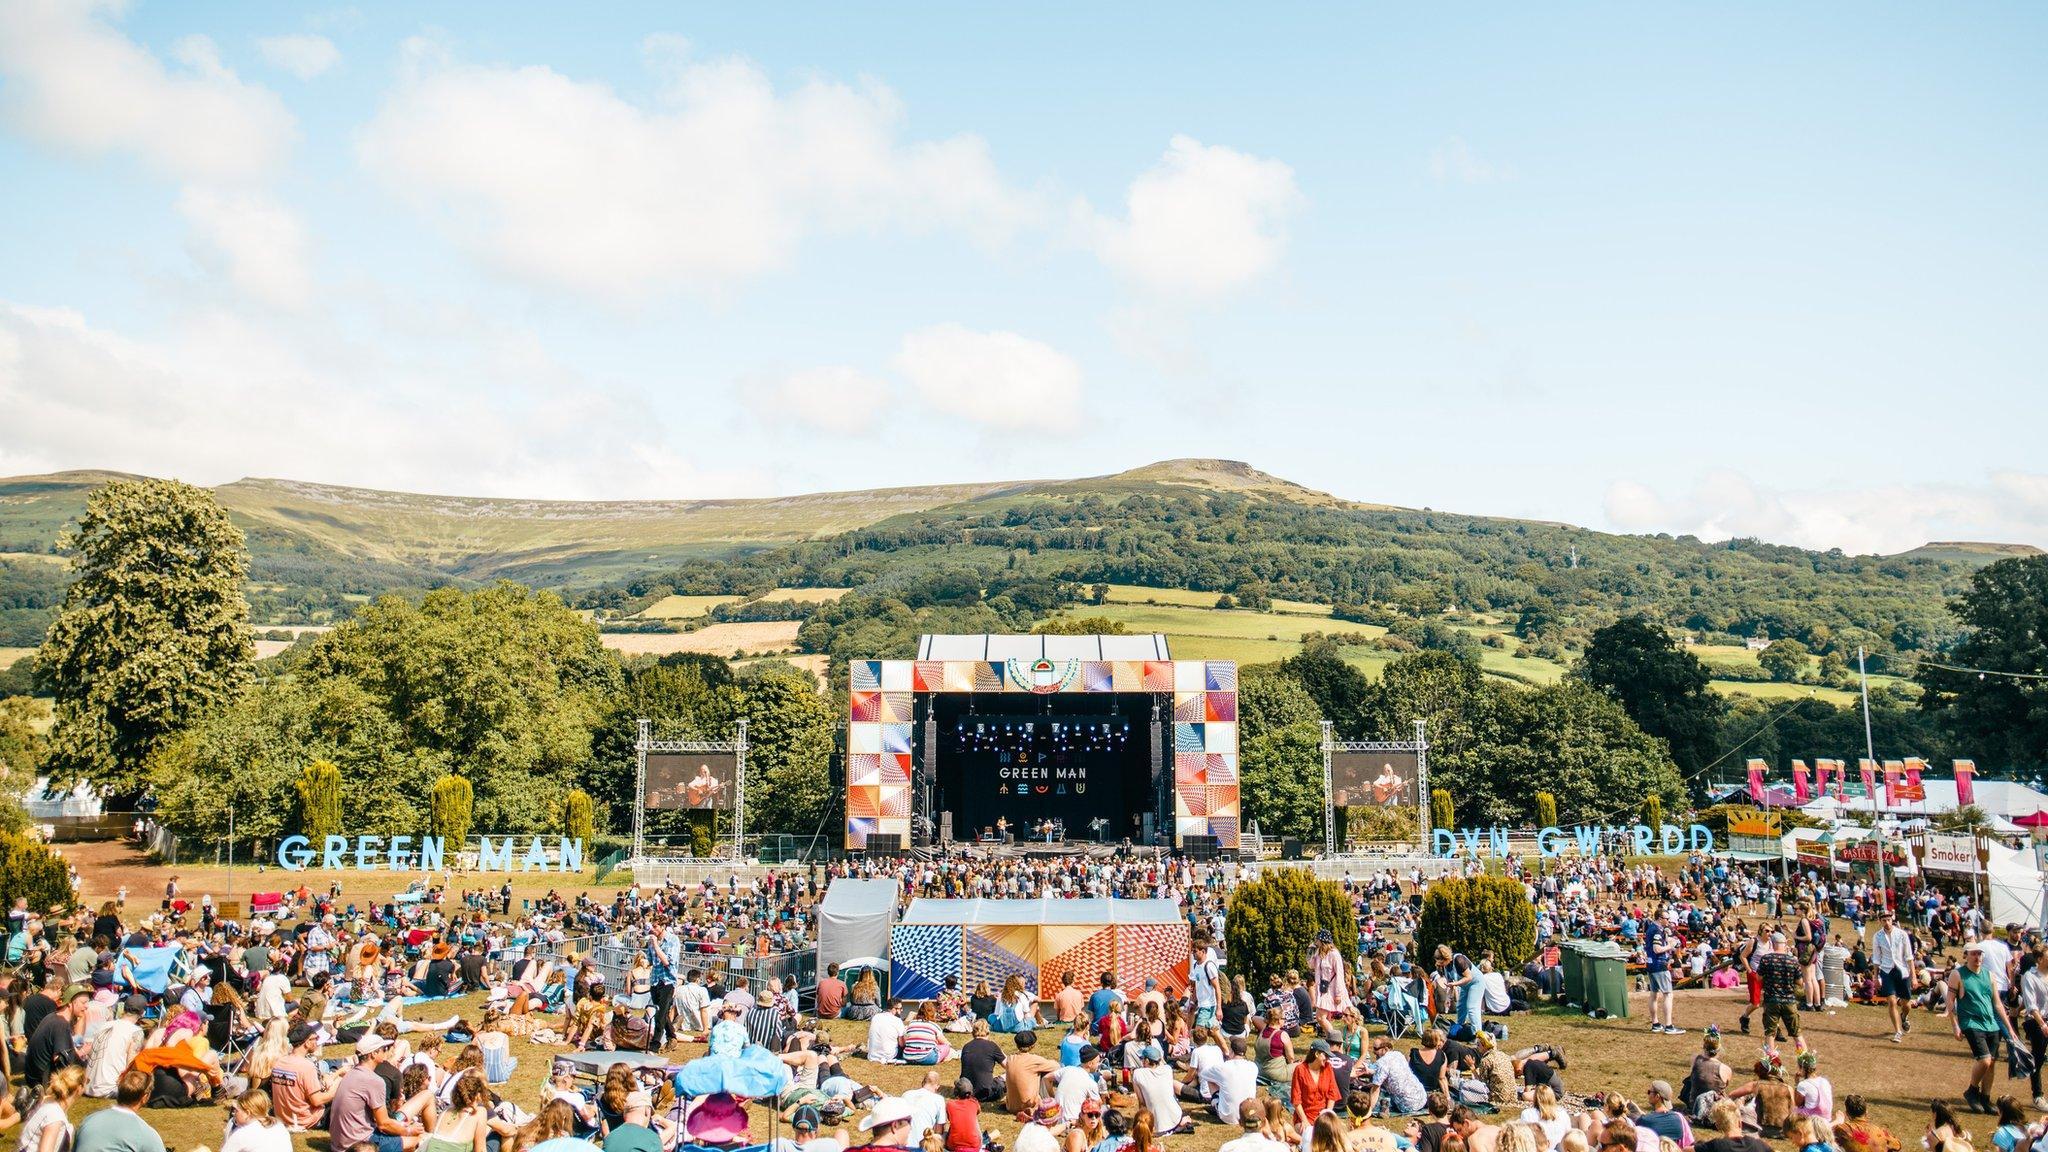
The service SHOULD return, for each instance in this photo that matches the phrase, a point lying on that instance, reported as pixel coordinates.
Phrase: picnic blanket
(148, 968)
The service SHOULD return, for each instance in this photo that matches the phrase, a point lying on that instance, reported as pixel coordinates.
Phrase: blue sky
(1760, 270)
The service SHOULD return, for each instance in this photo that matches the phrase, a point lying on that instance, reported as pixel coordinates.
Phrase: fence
(613, 955)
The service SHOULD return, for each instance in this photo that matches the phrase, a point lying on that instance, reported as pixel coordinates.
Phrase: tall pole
(640, 743)
(1329, 806)
(1870, 753)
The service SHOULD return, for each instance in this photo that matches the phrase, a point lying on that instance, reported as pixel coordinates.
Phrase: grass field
(684, 607)
(1774, 691)
(807, 595)
(9, 655)
(715, 639)
(1620, 1054)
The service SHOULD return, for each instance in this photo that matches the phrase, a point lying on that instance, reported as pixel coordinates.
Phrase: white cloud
(76, 83)
(2012, 507)
(229, 397)
(1454, 162)
(829, 399)
(999, 380)
(715, 181)
(303, 54)
(256, 243)
(1205, 221)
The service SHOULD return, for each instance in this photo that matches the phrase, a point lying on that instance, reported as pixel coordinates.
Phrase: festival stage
(989, 742)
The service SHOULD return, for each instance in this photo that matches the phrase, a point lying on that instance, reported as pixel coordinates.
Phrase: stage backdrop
(702, 780)
(1373, 780)
(1203, 735)
(1039, 941)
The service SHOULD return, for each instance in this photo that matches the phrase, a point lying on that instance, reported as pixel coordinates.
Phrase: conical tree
(320, 801)
(1443, 812)
(452, 809)
(576, 821)
(1546, 810)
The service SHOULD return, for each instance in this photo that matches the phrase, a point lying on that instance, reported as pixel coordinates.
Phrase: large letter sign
(398, 854)
(1588, 839)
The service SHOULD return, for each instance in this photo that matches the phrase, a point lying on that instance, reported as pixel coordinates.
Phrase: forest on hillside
(1559, 582)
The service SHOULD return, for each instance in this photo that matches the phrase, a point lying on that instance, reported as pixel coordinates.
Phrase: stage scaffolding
(645, 743)
(1419, 746)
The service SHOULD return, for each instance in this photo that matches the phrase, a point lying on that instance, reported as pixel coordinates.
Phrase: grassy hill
(1179, 533)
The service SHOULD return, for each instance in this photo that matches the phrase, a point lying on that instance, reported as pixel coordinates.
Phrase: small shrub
(1273, 921)
(29, 870)
(1474, 914)
(1546, 810)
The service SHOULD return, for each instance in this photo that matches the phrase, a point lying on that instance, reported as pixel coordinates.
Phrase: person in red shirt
(1314, 1085)
(831, 993)
(963, 1118)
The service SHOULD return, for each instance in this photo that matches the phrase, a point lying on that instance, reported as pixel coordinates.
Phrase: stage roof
(989, 646)
(1047, 911)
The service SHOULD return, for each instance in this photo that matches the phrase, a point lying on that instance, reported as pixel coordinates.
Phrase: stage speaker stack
(1149, 829)
(1196, 847)
(879, 844)
(1290, 848)
(946, 826)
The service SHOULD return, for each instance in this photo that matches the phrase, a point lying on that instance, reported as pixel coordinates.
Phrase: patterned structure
(1041, 942)
(1204, 736)
(1156, 951)
(987, 955)
(921, 956)
(1085, 950)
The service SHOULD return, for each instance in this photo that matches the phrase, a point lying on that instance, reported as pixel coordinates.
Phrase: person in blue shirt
(1659, 943)
(1104, 998)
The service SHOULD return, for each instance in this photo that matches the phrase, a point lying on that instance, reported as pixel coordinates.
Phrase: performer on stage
(1002, 827)
(1327, 975)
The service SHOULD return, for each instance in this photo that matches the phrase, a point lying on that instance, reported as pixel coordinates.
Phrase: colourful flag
(1800, 791)
(1892, 770)
(1756, 780)
(1869, 770)
(1966, 782)
(1913, 792)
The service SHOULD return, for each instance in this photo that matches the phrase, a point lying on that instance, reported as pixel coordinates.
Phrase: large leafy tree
(503, 684)
(1280, 757)
(1660, 685)
(154, 633)
(789, 751)
(1459, 713)
(2001, 720)
(1576, 744)
(1341, 692)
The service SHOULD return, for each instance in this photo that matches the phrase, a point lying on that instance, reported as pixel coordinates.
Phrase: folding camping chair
(1404, 1010)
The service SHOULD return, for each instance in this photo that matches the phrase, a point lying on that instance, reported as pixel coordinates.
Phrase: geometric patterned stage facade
(1203, 735)
(1039, 941)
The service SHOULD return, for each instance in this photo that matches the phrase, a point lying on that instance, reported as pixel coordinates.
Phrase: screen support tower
(644, 742)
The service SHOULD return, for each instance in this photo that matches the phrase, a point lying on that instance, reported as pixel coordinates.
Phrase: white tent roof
(990, 646)
(854, 920)
(2003, 799)
(1046, 911)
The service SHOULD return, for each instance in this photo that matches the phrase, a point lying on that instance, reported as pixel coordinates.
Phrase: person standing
(1891, 953)
(665, 955)
(1328, 972)
(2034, 1015)
(1979, 1017)
(1659, 943)
(1781, 975)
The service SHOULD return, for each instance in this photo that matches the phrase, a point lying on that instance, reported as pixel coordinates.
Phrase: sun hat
(1048, 1110)
(638, 1099)
(895, 1110)
(371, 1042)
(441, 951)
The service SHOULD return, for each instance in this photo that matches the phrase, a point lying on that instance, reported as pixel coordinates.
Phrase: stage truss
(1419, 746)
(645, 743)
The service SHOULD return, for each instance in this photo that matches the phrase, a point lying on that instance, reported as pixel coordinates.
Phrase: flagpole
(1884, 892)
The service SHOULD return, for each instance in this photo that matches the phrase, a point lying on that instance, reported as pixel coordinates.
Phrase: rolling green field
(684, 607)
(1183, 598)
(1775, 691)
(806, 595)
(9, 655)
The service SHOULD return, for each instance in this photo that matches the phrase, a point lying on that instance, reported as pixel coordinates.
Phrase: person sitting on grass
(591, 1022)
(1395, 1090)
(1251, 1118)
(1855, 1131)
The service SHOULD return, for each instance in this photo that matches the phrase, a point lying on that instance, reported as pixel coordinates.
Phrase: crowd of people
(1361, 1045)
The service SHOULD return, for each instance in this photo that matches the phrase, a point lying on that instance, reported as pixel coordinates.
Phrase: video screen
(703, 781)
(1373, 779)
